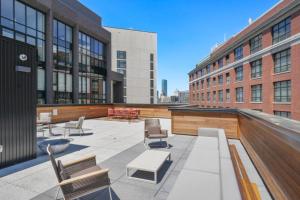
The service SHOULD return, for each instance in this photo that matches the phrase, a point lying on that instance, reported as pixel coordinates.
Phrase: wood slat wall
(187, 123)
(73, 112)
(275, 152)
(69, 113)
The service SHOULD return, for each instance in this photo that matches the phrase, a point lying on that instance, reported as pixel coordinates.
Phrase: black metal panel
(18, 65)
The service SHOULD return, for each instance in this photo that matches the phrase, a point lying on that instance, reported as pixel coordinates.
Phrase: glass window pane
(19, 12)
(88, 86)
(69, 34)
(41, 22)
(55, 81)
(20, 37)
(7, 33)
(61, 82)
(41, 79)
(31, 17)
(61, 31)
(30, 40)
(7, 23)
(7, 9)
(69, 83)
(41, 50)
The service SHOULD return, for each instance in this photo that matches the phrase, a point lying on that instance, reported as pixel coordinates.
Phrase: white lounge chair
(75, 125)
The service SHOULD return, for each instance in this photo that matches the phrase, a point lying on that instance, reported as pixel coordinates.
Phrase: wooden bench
(248, 190)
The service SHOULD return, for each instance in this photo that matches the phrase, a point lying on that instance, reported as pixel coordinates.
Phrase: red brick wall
(267, 79)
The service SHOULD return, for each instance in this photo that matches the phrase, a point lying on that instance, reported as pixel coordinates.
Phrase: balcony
(267, 150)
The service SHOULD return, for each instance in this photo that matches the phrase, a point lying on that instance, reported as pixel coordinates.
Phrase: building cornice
(288, 10)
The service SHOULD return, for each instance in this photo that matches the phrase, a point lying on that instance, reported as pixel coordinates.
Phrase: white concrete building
(134, 53)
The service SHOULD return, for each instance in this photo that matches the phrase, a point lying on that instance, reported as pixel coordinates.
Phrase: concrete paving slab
(12, 192)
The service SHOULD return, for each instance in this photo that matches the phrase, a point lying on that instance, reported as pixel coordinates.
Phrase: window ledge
(282, 103)
(279, 73)
(240, 102)
(256, 78)
(238, 81)
(256, 102)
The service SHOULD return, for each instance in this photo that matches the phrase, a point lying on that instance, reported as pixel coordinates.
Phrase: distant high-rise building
(164, 87)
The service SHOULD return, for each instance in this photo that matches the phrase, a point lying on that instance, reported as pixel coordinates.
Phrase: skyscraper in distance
(164, 87)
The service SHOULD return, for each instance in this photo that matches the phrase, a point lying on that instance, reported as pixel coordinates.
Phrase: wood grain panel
(187, 123)
(275, 151)
(68, 113)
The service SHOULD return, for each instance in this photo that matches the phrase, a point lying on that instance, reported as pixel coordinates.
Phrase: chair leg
(57, 192)
(109, 189)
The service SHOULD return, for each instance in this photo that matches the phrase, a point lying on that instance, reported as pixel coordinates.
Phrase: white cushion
(206, 142)
(203, 160)
(195, 185)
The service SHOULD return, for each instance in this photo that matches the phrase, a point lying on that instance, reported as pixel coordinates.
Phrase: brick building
(258, 68)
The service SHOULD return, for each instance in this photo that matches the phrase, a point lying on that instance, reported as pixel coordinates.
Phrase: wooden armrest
(79, 161)
(83, 177)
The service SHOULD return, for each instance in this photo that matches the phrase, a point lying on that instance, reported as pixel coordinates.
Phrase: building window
(256, 69)
(282, 61)
(220, 62)
(238, 53)
(227, 95)
(121, 55)
(239, 73)
(208, 82)
(282, 30)
(228, 78)
(26, 24)
(220, 95)
(214, 80)
(256, 43)
(227, 60)
(214, 96)
(220, 79)
(202, 97)
(208, 96)
(63, 63)
(92, 70)
(282, 91)
(285, 114)
(152, 78)
(208, 69)
(202, 84)
(256, 93)
(121, 68)
(239, 94)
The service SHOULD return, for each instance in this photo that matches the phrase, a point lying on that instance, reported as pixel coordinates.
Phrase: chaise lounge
(79, 178)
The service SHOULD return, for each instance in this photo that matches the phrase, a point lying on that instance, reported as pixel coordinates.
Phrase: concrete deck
(115, 144)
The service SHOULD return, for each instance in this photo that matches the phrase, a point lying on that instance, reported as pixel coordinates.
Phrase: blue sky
(187, 29)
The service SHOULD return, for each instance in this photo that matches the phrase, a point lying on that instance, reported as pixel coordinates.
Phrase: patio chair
(45, 118)
(79, 178)
(75, 125)
(153, 131)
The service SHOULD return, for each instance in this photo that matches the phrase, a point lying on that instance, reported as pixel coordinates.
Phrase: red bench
(123, 113)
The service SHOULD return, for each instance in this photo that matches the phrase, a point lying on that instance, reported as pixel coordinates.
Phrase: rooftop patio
(115, 144)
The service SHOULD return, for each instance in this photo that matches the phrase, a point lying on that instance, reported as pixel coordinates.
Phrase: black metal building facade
(18, 63)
